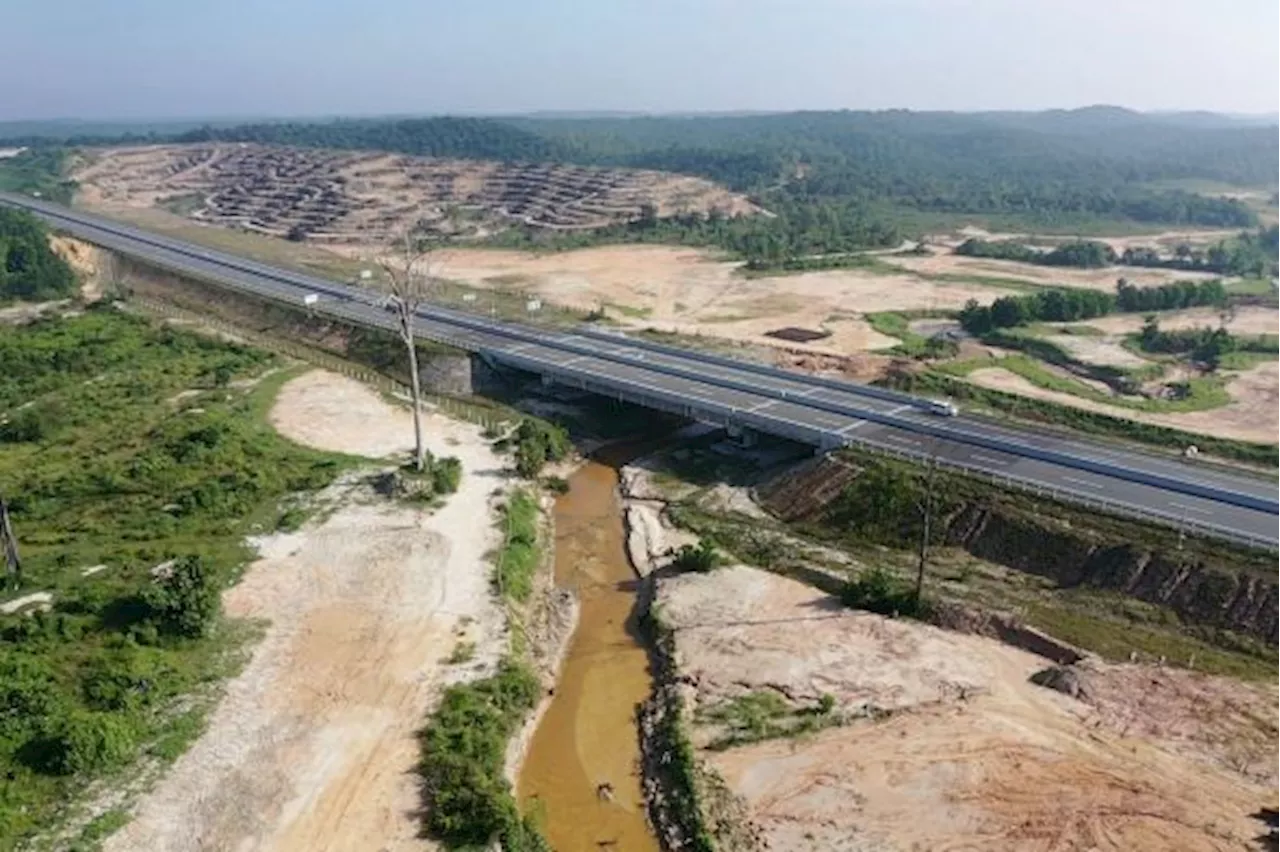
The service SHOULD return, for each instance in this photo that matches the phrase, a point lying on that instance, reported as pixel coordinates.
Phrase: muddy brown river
(582, 768)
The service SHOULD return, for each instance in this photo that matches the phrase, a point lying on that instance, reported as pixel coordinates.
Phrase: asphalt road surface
(819, 411)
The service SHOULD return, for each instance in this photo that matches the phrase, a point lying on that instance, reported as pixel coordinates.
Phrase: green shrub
(83, 742)
(446, 474)
(186, 600)
(538, 442)
(879, 590)
(702, 557)
(556, 484)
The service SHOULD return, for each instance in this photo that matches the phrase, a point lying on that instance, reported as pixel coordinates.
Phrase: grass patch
(463, 652)
(1197, 394)
(183, 205)
(764, 715)
(108, 469)
(1070, 619)
(894, 324)
(518, 558)
(1251, 287)
(1245, 360)
(631, 311)
(469, 804)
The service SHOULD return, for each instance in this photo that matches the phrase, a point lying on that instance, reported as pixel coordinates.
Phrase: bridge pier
(742, 436)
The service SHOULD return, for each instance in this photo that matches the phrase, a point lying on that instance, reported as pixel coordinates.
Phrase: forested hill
(447, 136)
(1059, 168)
(1093, 162)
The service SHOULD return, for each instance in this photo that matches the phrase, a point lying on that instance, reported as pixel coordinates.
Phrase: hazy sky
(184, 58)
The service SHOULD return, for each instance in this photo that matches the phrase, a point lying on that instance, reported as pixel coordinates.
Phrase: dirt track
(971, 756)
(313, 746)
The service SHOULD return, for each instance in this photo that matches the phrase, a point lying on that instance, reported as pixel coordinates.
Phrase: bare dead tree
(409, 278)
(9, 542)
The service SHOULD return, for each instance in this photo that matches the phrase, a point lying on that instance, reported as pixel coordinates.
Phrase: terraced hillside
(341, 197)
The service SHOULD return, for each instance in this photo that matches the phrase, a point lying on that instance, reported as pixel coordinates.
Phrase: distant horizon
(553, 113)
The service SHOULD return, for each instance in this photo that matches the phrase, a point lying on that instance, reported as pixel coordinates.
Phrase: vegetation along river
(582, 769)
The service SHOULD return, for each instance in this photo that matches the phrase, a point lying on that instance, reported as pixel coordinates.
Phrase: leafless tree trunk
(410, 287)
(10, 544)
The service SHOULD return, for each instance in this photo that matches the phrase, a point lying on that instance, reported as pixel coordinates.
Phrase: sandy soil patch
(1164, 239)
(973, 756)
(35, 600)
(1058, 276)
(313, 745)
(1250, 416)
(690, 291)
(87, 262)
(1097, 350)
(1247, 320)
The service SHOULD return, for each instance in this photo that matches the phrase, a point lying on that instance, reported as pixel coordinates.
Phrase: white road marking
(1083, 482)
(978, 457)
(901, 408)
(1195, 509)
(911, 442)
(850, 427)
(761, 405)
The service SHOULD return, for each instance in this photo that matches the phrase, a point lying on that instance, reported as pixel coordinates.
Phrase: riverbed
(582, 770)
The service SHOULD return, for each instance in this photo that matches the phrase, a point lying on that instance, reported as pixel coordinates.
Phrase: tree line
(1251, 253)
(1205, 345)
(1070, 305)
(1086, 254)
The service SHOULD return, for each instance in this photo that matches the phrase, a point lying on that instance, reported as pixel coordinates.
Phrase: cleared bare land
(961, 751)
(691, 291)
(362, 197)
(1246, 320)
(1250, 416)
(948, 263)
(1106, 351)
(313, 746)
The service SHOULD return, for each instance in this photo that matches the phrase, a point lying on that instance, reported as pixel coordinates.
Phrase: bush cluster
(536, 443)
(469, 803)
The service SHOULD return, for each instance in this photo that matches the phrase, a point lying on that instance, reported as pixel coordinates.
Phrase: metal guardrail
(1182, 523)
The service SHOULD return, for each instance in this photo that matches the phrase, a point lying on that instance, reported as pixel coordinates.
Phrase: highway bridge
(822, 412)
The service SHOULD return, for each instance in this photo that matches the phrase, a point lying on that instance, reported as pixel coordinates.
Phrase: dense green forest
(30, 271)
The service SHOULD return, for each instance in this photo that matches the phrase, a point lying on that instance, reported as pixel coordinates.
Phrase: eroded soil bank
(582, 768)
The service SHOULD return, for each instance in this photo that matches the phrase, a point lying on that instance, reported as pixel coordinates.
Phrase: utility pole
(926, 507)
(10, 543)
